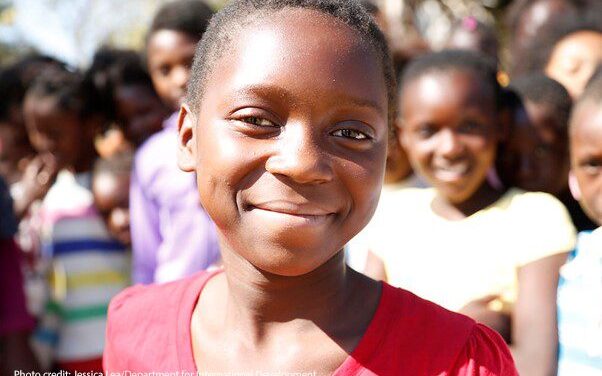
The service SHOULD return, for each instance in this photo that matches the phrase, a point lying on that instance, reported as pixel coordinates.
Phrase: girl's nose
(181, 75)
(299, 156)
(450, 145)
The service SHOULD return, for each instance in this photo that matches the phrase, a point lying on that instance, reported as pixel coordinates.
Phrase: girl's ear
(574, 186)
(186, 140)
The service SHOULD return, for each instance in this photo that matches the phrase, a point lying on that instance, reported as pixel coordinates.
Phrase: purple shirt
(172, 235)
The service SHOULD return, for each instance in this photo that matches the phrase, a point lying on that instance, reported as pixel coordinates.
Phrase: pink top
(14, 316)
(149, 330)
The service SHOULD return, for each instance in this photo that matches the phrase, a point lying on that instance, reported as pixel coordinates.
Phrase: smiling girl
(286, 125)
(463, 244)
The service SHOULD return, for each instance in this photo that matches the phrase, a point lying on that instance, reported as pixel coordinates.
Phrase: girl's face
(111, 197)
(169, 55)
(574, 60)
(535, 157)
(140, 111)
(290, 140)
(586, 158)
(55, 131)
(449, 130)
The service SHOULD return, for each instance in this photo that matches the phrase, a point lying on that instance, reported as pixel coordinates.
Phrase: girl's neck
(257, 302)
(482, 198)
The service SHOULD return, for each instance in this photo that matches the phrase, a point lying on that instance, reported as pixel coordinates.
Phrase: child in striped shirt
(86, 266)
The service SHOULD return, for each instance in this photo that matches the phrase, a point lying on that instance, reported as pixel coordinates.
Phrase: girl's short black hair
(186, 16)
(542, 90)
(483, 67)
(226, 24)
(71, 90)
(112, 68)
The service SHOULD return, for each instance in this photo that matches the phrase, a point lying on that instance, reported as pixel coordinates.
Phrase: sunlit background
(72, 30)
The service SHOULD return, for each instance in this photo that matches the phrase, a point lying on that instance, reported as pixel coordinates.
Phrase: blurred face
(54, 131)
(536, 16)
(535, 158)
(15, 149)
(139, 111)
(449, 131)
(574, 60)
(111, 197)
(170, 55)
(586, 158)
(289, 143)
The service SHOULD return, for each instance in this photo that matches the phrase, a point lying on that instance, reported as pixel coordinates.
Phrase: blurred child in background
(172, 236)
(535, 157)
(128, 94)
(580, 286)
(527, 18)
(86, 267)
(110, 186)
(16, 323)
(567, 50)
(493, 255)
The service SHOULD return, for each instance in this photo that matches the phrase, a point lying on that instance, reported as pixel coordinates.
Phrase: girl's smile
(450, 131)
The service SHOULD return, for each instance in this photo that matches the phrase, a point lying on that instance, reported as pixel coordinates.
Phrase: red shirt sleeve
(111, 358)
(485, 354)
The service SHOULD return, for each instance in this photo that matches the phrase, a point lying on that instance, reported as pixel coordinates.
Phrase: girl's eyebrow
(283, 94)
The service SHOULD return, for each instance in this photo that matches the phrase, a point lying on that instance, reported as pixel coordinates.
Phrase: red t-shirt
(149, 330)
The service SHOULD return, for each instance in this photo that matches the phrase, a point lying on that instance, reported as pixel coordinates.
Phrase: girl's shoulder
(415, 334)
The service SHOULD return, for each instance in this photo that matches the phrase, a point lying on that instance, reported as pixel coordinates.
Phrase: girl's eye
(592, 165)
(470, 127)
(425, 131)
(350, 133)
(257, 121)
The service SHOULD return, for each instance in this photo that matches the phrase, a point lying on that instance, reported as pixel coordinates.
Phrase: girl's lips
(452, 172)
(291, 213)
(291, 208)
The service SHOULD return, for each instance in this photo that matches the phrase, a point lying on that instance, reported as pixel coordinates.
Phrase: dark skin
(535, 157)
(575, 59)
(61, 133)
(15, 149)
(586, 158)
(139, 112)
(169, 56)
(111, 197)
(452, 148)
(288, 178)
(62, 140)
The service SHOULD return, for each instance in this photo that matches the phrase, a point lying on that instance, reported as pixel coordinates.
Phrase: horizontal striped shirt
(86, 269)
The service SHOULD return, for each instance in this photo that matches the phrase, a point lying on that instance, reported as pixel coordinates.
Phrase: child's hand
(37, 180)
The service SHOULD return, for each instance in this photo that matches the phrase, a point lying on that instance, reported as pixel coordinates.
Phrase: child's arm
(534, 326)
(37, 180)
(145, 237)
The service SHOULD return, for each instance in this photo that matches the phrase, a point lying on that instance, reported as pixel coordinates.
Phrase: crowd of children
(291, 148)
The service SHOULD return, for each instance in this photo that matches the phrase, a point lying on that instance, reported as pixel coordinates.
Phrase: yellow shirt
(455, 262)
